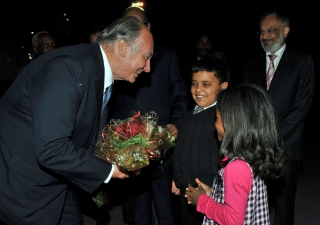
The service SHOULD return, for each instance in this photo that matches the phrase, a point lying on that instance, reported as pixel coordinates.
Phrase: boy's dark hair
(213, 64)
(251, 130)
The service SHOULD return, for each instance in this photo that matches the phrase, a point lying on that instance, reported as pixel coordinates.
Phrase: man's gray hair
(127, 29)
(281, 16)
(35, 37)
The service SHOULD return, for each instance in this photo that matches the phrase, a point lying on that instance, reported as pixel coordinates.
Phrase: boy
(197, 153)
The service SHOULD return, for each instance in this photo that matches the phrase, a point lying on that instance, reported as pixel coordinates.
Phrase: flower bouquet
(132, 142)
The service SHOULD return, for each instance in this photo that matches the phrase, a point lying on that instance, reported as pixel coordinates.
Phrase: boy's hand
(192, 194)
(174, 188)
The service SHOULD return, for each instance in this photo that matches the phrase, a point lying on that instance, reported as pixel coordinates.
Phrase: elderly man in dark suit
(50, 120)
(289, 78)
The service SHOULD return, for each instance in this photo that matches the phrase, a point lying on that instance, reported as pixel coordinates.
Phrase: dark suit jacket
(49, 119)
(291, 92)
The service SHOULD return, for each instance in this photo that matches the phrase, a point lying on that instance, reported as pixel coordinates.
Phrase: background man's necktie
(197, 110)
(271, 70)
(106, 97)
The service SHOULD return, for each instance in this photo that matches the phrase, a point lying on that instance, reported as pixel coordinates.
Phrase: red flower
(131, 128)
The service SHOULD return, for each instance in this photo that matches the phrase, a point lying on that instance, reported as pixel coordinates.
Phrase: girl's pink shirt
(237, 183)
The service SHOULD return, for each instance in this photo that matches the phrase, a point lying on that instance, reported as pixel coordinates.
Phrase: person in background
(247, 128)
(197, 149)
(164, 92)
(94, 33)
(203, 45)
(203, 48)
(43, 42)
(288, 76)
(50, 119)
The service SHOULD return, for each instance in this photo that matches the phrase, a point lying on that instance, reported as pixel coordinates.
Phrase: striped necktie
(271, 70)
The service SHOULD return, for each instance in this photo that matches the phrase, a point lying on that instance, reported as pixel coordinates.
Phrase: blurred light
(67, 19)
(22, 46)
(32, 32)
(137, 4)
(64, 14)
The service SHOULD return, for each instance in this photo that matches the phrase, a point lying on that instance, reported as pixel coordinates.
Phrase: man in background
(288, 76)
(43, 42)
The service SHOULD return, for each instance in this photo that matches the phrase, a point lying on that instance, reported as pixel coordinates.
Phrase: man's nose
(147, 68)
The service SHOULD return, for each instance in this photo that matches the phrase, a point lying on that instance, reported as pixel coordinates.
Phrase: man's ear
(286, 31)
(122, 48)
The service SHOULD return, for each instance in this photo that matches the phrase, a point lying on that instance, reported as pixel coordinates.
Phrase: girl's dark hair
(251, 130)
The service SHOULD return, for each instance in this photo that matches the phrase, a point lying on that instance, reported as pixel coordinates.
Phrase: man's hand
(192, 194)
(122, 173)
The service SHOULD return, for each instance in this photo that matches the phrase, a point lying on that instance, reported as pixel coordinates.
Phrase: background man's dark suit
(164, 92)
(291, 92)
(64, 93)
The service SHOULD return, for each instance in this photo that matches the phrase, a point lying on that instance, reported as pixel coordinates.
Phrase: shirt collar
(206, 107)
(276, 61)
(108, 78)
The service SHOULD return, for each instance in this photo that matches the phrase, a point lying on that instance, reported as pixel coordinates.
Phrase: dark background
(174, 23)
(233, 26)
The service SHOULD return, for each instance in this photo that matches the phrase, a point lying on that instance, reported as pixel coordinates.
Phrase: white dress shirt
(276, 61)
(108, 80)
(206, 107)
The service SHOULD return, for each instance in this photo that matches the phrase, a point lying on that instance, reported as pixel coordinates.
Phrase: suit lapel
(262, 71)
(259, 73)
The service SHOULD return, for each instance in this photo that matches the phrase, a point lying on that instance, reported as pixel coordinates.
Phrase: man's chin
(266, 47)
(132, 80)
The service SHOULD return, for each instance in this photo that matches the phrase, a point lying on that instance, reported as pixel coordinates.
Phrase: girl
(246, 125)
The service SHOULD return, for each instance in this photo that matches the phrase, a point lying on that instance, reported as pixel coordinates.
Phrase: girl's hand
(204, 186)
(192, 194)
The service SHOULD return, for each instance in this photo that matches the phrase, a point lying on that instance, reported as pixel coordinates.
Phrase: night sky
(233, 26)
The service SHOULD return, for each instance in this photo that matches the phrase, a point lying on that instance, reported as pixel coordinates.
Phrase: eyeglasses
(268, 31)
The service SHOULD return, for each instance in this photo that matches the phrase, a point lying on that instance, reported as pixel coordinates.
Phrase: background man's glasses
(268, 31)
